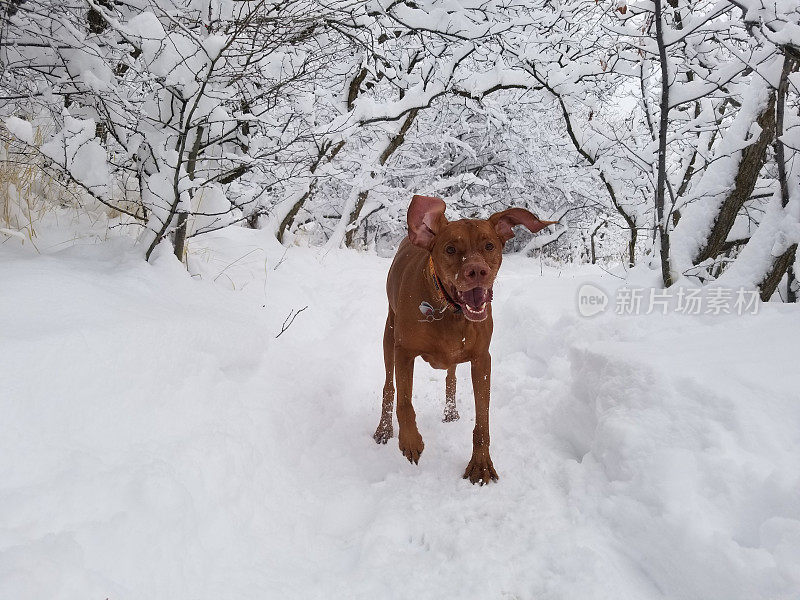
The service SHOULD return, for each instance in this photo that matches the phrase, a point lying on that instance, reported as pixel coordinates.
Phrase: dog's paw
(383, 433)
(450, 415)
(480, 468)
(411, 445)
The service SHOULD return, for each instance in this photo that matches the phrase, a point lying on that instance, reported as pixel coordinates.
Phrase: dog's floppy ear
(506, 219)
(425, 219)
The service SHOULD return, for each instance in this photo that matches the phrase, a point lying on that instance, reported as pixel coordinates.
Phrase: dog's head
(466, 253)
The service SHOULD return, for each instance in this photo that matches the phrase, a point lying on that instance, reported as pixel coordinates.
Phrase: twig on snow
(287, 322)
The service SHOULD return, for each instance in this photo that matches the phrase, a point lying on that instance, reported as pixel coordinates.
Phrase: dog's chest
(453, 343)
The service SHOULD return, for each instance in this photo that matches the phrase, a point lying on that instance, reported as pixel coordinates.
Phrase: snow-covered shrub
(318, 121)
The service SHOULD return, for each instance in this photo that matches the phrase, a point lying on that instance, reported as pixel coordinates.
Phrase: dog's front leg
(450, 410)
(480, 467)
(408, 437)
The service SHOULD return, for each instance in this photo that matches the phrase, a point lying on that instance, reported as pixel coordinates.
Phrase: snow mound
(158, 441)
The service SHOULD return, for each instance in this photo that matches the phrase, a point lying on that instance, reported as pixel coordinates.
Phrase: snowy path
(157, 441)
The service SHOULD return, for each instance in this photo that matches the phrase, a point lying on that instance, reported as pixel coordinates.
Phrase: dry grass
(28, 192)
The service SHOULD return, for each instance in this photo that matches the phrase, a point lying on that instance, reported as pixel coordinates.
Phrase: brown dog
(440, 293)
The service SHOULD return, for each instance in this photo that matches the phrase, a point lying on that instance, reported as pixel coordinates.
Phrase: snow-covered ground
(158, 442)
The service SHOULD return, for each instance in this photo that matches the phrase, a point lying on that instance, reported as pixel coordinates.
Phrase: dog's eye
(450, 249)
(490, 246)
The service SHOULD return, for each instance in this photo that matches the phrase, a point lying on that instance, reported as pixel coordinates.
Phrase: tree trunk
(592, 161)
(394, 143)
(784, 263)
(180, 235)
(592, 242)
(182, 225)
(791, 282)
(663, 224)
(753, 159)
(353, 91)
(288, 220)
(632, 247)
(779, 267)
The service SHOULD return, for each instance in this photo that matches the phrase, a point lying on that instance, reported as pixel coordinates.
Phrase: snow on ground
(157, 441)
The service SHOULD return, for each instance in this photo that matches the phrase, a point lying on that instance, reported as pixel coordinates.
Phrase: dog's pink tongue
(476, 296)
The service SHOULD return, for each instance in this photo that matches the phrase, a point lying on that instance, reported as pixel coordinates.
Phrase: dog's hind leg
(384, 431)
(450, 410)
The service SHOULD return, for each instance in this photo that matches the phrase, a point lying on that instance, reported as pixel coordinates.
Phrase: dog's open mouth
(475, 302)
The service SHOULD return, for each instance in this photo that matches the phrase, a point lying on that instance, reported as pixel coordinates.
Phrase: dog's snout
(476, 272)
